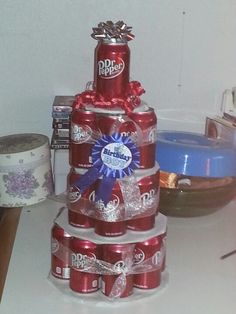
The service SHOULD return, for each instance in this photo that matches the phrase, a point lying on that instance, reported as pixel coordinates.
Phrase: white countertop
(199, 281)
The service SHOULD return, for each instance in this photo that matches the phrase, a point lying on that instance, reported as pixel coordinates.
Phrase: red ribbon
(128, 103)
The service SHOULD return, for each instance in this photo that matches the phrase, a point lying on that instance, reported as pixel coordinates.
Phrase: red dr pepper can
(121, 257)
(163, 249)
(80, 209)
(111, 68)
(80, 280)
(148, 250)
(147, 122)
(83, 134)
(60, 252)
(110, 219)
(141, 125)
(148, 183)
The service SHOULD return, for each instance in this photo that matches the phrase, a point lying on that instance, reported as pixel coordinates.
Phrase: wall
(183, 54)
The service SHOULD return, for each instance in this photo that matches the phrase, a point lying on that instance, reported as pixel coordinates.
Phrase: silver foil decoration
(96, 266)
(131, 195)
(116, 32)
(110, 212)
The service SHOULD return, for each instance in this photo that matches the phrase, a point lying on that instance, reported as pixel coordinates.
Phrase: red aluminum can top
(59, 232)
(148, 249)
(83, 126)
(144, 118)
(120, 255)
(82, 249)
(154, 241)
(78, 244)
(115, 252)
(141, 123)
(83, 116)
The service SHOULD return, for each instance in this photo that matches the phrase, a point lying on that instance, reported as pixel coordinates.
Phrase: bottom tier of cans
(84, 263)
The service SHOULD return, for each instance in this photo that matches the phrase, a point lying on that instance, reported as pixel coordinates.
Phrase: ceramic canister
(25, 169)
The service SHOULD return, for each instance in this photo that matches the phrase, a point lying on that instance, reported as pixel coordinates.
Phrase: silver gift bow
(116, 31)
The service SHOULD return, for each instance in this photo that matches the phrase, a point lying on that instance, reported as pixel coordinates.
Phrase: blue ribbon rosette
(114, 157)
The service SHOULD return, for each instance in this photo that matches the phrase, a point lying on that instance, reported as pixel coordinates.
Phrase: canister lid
(22, 149)
(17, 143)
(195, 154)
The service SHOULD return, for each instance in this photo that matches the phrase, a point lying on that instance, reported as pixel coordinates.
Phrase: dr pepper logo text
(108, 68)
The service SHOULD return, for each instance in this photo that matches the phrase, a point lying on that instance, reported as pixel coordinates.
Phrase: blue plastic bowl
(195, 154)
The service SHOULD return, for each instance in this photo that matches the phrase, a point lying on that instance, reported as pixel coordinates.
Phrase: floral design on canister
(21, 184)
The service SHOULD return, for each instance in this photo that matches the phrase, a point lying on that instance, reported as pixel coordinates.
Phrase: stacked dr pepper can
(110, 237)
